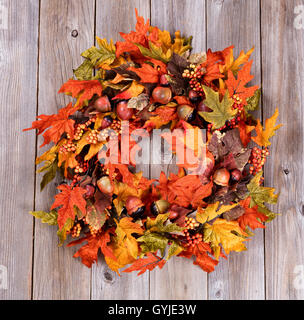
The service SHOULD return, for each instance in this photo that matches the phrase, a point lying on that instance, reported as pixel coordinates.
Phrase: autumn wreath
(147, 82)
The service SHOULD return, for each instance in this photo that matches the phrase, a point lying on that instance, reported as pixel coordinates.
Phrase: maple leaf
(212, 66)
(89, 252)
(222, 110)
(46, 217)
(82, 90)
(124, 230)
(163, 116)
(149, 262)
(227, 233)
(57, 124)
(259, 195)
(155, 52)
(159, 224)
(212, 211)
(201, 252)
(237, 86)
(147, 73)
(263, 136)
(245, 132)
(67, 199)
(133, 91)
(93, 149)
(252, 217)
(253, 102)
(94, 217)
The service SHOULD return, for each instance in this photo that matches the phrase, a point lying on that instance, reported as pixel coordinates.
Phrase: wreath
(123, 93)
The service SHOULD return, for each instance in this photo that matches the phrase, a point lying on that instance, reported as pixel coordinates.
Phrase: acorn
(235, 175)
(193, 96)
(221, 177)
(162, 95)
(160, 206)
(163, 80)
(134, 206)
(123, 112)
(186, 112)
(102, 104)
(173, 215)
(104, 185)
(203, 108)
(106, 122)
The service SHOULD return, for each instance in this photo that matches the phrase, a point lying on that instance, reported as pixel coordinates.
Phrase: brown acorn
(186, 112)
(162, 95)
(193, 96)
(235, 175)
(104, 185)
(163, 80)
(106, 122)
(102, 104)
(160, 206)
(221, 177)
(203, 108)
(134, 206)
(123, 112)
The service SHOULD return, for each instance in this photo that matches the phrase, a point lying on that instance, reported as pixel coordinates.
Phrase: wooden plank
(113, 17)
(18, 87)
(237, 22)
(179, 279)
(283, 76)
(57, 275)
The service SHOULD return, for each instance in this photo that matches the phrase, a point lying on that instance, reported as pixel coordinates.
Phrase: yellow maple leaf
(49, 157)
(263, 136)
(227, 233)
(212, 211)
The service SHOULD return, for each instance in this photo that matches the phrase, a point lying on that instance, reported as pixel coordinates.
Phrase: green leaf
(62, 233)
(46, 217)
(271, 215)
(253, 102)
(154, 52)
(260, 194)
(222, 110)
(51, 169)
(174, 249)
(153, 242)
(159, 224)
(85, 70)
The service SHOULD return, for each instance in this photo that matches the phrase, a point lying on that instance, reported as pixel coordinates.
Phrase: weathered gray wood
(18, 87)
(283, 76)
(179, 279)
(237, 22)
(57, 275)
(113, 17)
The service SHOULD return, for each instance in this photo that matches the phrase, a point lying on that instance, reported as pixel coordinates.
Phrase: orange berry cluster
(113, 130)
(93, 137)
(194, 239)
(237, 103)
(76, 230)
(194, 74)
(257, 160)
(79, 131)
(93, 231)
(190, 223)
(67, 147)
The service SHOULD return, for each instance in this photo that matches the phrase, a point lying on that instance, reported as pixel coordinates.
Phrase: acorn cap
(160, 206)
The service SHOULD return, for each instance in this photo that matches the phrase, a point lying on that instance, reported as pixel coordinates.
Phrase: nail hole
(74, 33)
(286, 171)
(108, 276)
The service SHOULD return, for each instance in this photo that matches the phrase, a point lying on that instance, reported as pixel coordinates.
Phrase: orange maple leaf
(147, 73)
(263, 136)
(89, 252)
(237, 86)
(252, 217)
(57, 124)
(211, 66)
(67, 199)
(163, 115)
(149, 262)
(82, 90)
(202, 258)
(245, 132)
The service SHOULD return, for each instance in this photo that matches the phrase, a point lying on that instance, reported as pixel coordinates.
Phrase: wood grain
(57, 275)
(179, 279)
(237, 22)
(113, 17)
(18, 87)
(283, 76)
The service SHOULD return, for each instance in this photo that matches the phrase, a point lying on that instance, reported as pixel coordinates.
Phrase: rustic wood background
(37, 54)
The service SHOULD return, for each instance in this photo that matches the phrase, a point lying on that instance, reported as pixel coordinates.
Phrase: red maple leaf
(211, 66)
(67, 199)
(237, 86)
(89, 252)
(82, 90)
(147, 73)
(202, 258)
(149, 262)
(57, 124)
(251, 216)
